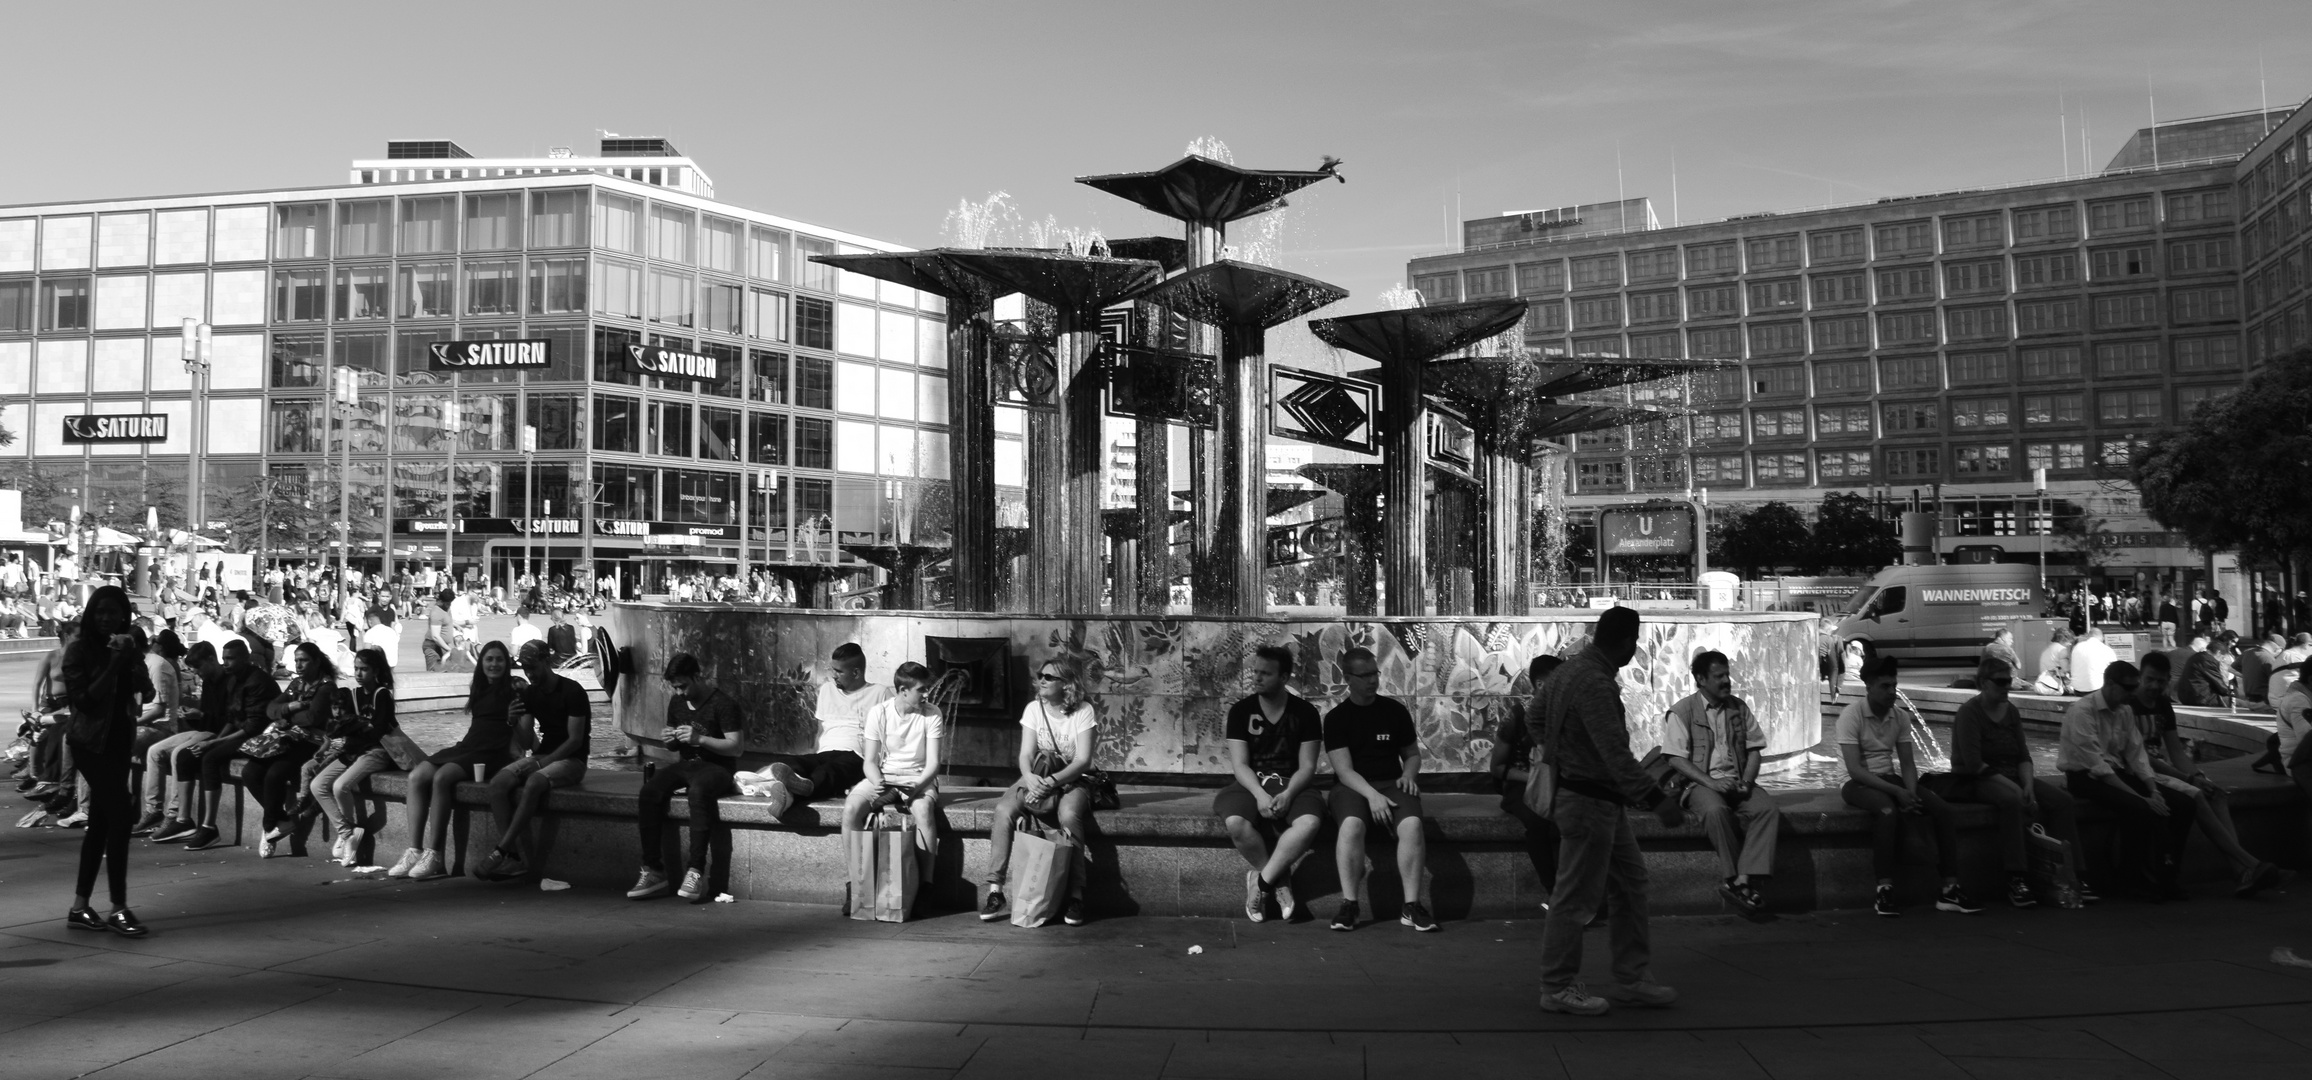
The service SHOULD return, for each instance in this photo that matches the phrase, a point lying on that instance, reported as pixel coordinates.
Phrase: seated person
(1712, 739)
(1376, 755)
(1874, 739)
(562, 638)
(1055, 756)
(842, 709)
(902, 737)
(2103, 761)
(554, 716)
(1273, 736)
(525, 629)
(1990, 764)
(704, 728)
(2172, 764)
(2201, 680)
(1512, 753)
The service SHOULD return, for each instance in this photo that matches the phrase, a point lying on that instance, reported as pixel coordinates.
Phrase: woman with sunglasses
(1990, 764)
(1055, 754)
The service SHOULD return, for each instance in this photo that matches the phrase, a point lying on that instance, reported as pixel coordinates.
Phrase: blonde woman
(1055, 754)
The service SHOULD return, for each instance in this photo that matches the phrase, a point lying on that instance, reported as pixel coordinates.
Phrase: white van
(1917, 612)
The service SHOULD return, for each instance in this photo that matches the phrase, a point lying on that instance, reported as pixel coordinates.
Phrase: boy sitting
(902, 762)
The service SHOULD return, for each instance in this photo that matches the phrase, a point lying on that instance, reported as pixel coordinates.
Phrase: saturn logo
(136, 427)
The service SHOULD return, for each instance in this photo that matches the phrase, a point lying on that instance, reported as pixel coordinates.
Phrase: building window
(1777, 339)
(364, 292)
(1547, 318)
(1985, 323)
(1906, 327)
(64, 304)
(617, 423)
(2207, 353)
(2055, 268)
(1842, 332)
(1788, 380)
(2127, 405)
(2055, 456)
(1597, 272)
(429, 225)
(1983, 276)
(1910, 373)
(1912, 283)
(1782, 470)
(1659, 264)
(364, 228)
(1904, 239)
(1778, 423)
(1598, 346)
(814, 442)
(494, 222)
(559, 418)
(1835, 290)
(1438, 288)
(1718, 427)
(1976, 369)
(1663, 345)
(1718, 258)
(2126, 310)
(1724, 343)
(2189, 398)
(2047, 316)
(671, 238)
(1710, 387)
(767, 315)
(1974, 231)
(2040, 410)
(557, 219)
(2046, 223)
(1712, 301)
(16, 307)
(1487, 283)
(766, 439)
(1601, 476)
(1968, 414)
(557, 286)
(1913, 460)
(1910, 416)
(814, 322)
(494, 288)
(300, 295)
(718, 434)
(301, 231)
(2211, 204)
(814, 275)
(2051, 362)
(2118, 215)
(720, 309)
(767, 254)
(767, 376)
(1540, 278)
(295, 360)
(1837, 466)
(428, 290)
(1834, 245)
(1842, 377)
(2199, 256)
(1602, 311)
(670, 429)
(2122, 358)
(1772, 296)
(814, 382)
(671, 298)
(1658, 473)
(1653, 307)
(1982, 460)
(296, 427)
(2204, 305)
(723, 249)
(1723, 469)
(2118, 453)
(2111, 264)
(1832, 420)
(1772, 252)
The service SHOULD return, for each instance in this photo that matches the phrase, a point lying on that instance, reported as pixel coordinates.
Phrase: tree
(46, 498)
(1765, 537)
(287, 510)
(1849, 536)
(2233, 476)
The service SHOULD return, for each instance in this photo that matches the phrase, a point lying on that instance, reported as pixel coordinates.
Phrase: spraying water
(1930, 753)
(1398, 298)
(990, 222)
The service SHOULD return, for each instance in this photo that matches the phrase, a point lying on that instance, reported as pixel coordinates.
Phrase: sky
(879, 116)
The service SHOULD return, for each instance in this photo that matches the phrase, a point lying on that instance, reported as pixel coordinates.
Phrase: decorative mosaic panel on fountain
(1163, 685)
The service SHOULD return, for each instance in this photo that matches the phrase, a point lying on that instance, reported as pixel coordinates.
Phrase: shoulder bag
(1541, 770)
(1093, 779)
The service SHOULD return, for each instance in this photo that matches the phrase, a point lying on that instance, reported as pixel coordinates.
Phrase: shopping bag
(1037, 879)
(2054, 868)
(883, 870)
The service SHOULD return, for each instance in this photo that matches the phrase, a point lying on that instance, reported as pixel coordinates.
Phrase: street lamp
(345, 391)
(529, 490)
(195, 351)
(453, 423)
(2039, 485)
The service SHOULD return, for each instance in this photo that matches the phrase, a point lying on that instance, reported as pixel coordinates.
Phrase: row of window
(1958, 414)
(2273, 228)
(1836, 468)
(1866, 330)
(2106, 359)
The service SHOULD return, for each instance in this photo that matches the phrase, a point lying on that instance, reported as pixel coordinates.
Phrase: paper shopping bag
(2054, 868)
(1037, 879)
(883, 871)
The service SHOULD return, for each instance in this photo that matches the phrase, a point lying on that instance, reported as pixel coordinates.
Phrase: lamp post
(346, 393)
(195, 352)
(454, 424)
(2039, 487)
(529, 490)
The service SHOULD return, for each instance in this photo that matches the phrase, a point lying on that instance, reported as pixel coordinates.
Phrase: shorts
(1346, 803)
(1234, 801)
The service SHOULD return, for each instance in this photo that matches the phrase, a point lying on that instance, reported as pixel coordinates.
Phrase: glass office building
(702, 391)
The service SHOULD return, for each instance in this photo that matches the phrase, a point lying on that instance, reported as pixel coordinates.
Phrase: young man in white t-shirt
(1874, 740)
(903, 737)
(841, 710)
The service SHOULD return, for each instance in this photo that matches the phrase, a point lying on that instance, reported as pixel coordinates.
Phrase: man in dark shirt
(1376, 755)
(2173, 769)
(234, 700)
(1990, 764)
(1272, 750)
(704, 729)
(564, 728)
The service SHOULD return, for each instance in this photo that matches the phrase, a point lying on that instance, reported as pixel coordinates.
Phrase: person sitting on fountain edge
(1874, 739)
(1714, 740)
(703, 727)
(1376, 755)
(1273, 737)
(1990, 764)
(842, 708)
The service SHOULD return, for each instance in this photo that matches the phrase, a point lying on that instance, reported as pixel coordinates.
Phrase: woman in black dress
(104, 680)
(487, 747)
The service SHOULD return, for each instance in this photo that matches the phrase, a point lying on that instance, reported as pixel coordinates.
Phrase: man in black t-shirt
(1272, 753)
(564, 722)
(1376, 757)
(704, 729)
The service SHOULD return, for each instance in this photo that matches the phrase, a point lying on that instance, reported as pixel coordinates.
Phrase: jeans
(110, 817)
(707, 782)
(1540, 834)
(1749, 851)
(1887, 827)
(334, 786)
(157, 773)
(2058, 811)
(2150, 849)
(1071, 812)
(270, 781)
(1597, 854)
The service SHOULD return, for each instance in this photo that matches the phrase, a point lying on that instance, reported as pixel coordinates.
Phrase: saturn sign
(124, 428)
(674, 364)
(462, 355)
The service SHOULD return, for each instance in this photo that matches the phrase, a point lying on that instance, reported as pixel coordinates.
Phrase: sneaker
(78, 819)
(1953, 899)
(992, 908)
(405, 864)
(175, 832)
(512, 869)
(2254, 880)
(1745, 898)
(693, 884)
(487, 867)
(1073, 914)
(41, 790)
(147, 824)
(205, 838)
(1574, 1000)
(429, 867)
(780, 798)
(1345, 919)
(337, 848)
(1884, 902)
(2088, 895)
(1286, 906)
(1648, 993)
(271, 843)
(1255, 907)
(1417, 917)
(124, 922)
(650, 885)
(2020, 895)
(86, 919)
(353, 838)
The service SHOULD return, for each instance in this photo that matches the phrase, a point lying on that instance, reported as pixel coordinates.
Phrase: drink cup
(481, 771)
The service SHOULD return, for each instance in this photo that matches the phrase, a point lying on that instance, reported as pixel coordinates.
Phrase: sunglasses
(1046, 676)
(1374, 674)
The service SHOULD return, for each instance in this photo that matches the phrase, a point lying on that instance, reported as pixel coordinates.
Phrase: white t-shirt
(1041, 726)
(843, 717)
(524, 630)
(2291, 708)
(906, 740)
(2088, 659)
(387, 639)
(1877, 737)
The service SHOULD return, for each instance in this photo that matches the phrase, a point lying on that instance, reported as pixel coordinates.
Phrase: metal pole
(1404, 457)
(455, 424)
(344, 477)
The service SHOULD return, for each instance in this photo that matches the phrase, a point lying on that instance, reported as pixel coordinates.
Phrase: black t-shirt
(2162, 714)
(552, 702)
(1275, 747)
(716, 716)
(1376, 737)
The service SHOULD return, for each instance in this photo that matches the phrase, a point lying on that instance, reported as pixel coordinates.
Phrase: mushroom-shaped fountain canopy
(1170, 251)
(1208, 192)
(933, 270)
(1232, 293)
(1068, 282)
(1479, 380)
(1411, 335)
(1346, 478)
(1528, 424)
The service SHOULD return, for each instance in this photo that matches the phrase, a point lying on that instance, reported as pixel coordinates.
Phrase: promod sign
(491, 355)
(117, 428)
(674, 364)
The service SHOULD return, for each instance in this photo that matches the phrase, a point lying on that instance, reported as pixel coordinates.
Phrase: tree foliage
(1766, 537)
(1850, 537)
(2233, 476)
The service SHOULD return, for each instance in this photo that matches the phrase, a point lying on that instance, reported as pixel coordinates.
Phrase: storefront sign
(117, 428)
(702, 532)
(460, 355)
(621, 527)
(674, 364)
(652, 531)
(1668, 531)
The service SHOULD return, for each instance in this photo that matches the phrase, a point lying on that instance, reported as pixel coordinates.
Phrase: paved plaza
(292, 968)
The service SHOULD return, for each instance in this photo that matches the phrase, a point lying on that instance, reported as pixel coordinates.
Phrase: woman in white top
(1055, 753)
(2055, 665)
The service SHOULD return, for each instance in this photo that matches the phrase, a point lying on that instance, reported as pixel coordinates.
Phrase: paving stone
(870, 1047)
(2041, 1068)
(1014, 1057)
(1612, 1057)
(1258, 1061)
(1786, 1060)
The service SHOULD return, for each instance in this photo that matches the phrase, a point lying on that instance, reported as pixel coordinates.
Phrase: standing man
(1586, 740)
(565, 729)
(1713, 739)
(1376, 754)
(1273, 736)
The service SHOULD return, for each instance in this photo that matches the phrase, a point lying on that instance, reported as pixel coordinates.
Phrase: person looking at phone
(1376, 756)
(704, 728)
(1874, 740)
(550, 713)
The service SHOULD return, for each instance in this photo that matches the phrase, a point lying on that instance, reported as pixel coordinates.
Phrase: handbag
(1541, 773)
(1036, 880)
(264, 744)
(884, 871)
(2054, 867)
(1093, 779)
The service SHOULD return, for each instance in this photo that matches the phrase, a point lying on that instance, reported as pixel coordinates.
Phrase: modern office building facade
(702, 390)
(1945, 347)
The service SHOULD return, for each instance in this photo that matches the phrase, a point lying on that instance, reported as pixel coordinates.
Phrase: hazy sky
(877, 117)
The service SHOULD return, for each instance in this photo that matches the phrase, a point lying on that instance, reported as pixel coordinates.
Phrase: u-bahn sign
(1328, 410)
(514, 353)
(674, 364)
(1663, 531)
(117, 428)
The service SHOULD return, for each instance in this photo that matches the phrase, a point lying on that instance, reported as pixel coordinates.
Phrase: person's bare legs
(1412, 856)
(420, 801)
(2214, 814)
(926, 810)
(1296, 841)
(1249, 843)
(1349, 857)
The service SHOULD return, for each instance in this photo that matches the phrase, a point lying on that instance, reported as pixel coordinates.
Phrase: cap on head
(682, 666)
